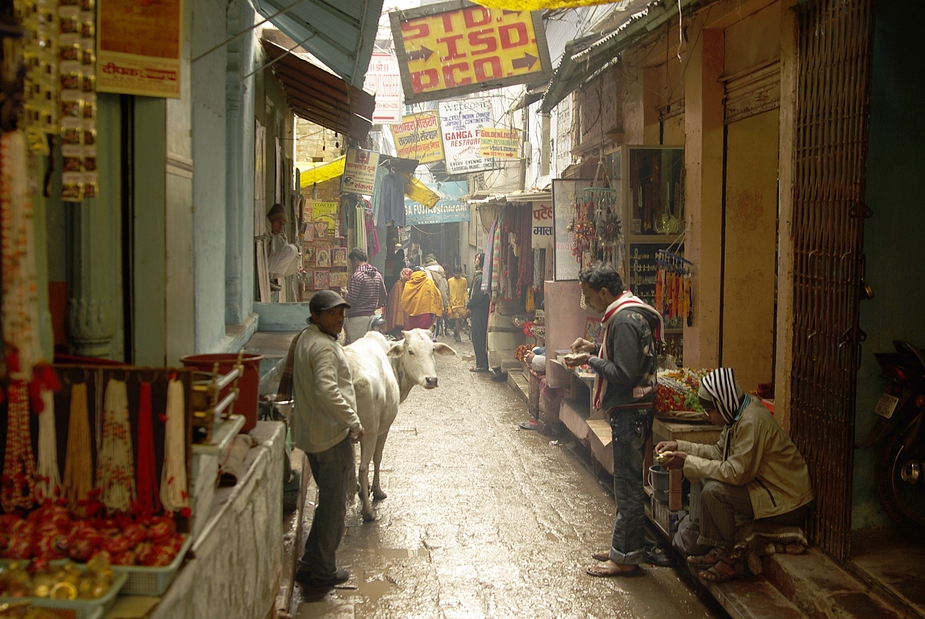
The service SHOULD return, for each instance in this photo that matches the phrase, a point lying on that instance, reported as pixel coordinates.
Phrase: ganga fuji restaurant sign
(455, 48)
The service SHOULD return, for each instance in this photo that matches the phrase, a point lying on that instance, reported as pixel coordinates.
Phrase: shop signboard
(461, 124)
(495, 142)
(383, 78)
(360, 171)
(564, 198)
(542, 225)
(138, 50)
(451, 208)
(456, 48)
(418, 137)
(317, 211)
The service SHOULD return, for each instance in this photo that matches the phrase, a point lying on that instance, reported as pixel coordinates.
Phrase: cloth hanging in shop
(359, 226)
(374, 199)
(372, 237)
(496, 260)
(524, 242)
(392, 200)
(539, 269)
(486, 260)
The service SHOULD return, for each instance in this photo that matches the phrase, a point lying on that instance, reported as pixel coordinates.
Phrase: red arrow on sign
(526, 62)
(420, 54)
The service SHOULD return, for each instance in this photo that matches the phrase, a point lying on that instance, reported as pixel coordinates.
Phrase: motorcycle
(900, 468)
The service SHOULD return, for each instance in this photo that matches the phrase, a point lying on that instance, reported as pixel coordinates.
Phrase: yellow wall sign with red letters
(455, 48)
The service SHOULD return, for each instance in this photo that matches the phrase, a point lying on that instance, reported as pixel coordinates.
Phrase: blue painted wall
(893, 236)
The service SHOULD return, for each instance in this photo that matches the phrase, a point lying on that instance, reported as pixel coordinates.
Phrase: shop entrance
(749, 308)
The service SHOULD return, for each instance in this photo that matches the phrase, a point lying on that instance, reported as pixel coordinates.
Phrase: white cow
(383, 374)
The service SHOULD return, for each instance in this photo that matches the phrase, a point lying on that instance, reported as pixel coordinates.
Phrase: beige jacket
(761, 457)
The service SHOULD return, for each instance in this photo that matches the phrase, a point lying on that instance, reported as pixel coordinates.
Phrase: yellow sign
(456, 48)
(317, 211)
(498, 142)
(418, 137)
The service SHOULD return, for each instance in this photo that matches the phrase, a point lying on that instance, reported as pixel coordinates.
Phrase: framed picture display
(323, 257)
(321, 230)
(308, 256)
(564, 197)
(338, 278)
(339, 257)
(322, 280)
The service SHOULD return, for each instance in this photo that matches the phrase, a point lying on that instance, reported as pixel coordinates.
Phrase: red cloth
(424, 321)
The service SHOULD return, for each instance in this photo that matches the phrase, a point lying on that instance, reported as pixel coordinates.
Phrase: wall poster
(139, 47)
(564, 194)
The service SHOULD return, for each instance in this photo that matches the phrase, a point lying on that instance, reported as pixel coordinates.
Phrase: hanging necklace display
(78, 461)
(19, 305)
(18, 488)
(673, 287)
(173, 476)
(116, 468)
(48, 479)
(148, 500)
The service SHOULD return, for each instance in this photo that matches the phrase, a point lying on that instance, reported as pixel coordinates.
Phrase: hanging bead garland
(18, 487)
(174, 495)
(116, 467)
(48, 479)
(78, 461)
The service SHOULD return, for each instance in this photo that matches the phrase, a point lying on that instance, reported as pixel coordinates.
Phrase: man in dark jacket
(478, 305)
(624, 387)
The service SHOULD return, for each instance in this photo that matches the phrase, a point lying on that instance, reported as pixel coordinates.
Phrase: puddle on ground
(402, 553)
(372, 590)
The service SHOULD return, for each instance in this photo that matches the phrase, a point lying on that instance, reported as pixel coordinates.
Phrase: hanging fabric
(148, 501)
(115, 473)
(392, 200)
(673, 286)
(375, 199)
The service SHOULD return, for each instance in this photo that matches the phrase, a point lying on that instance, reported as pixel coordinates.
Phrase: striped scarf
(625, 301)
(720, 388)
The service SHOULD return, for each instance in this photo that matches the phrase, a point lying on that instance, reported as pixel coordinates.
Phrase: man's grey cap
(323, 300)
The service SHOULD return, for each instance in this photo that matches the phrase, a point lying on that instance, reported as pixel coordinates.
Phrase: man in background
(365, 294)
(458, 288)
(282, 256)
(438, 274)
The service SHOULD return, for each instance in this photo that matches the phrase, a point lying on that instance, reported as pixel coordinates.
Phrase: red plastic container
(248, 384)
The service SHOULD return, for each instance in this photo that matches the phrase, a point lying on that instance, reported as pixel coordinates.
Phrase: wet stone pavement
(485, 520)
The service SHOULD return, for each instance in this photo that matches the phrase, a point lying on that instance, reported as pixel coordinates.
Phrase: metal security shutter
(752, 94)
(834, 42)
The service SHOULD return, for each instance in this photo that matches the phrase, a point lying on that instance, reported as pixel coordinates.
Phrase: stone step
(753, 598)
(819, 587)
(519, 385)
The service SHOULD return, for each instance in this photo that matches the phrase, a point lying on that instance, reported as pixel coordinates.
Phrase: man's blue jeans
(333, 471)
(630, 428)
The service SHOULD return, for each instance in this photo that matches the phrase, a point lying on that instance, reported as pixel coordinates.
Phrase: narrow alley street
(484, 519)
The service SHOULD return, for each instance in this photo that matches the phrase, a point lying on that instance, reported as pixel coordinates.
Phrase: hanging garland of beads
(18, 487)
(173, 476)
(148, 499)
(78, 461)
(116, 467)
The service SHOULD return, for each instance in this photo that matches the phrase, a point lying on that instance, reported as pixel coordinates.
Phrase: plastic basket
(152, 581)
(82, 609)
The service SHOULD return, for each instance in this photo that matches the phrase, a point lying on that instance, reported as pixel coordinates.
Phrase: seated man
(283, 257)
(754, 472)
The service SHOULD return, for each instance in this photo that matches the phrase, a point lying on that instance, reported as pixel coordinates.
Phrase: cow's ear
(443, 349)
(396, 349)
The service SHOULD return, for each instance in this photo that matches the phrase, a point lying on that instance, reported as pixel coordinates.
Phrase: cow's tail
(352, 483)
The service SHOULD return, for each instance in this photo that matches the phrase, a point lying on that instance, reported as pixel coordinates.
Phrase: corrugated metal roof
(319, 96)
(340, 34)
(584, 57)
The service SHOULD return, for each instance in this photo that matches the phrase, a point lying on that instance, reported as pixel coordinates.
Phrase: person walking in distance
(624, 387)
(324, 417)
(478, 307)
(438, 275)
(365, 294)
(458, 287)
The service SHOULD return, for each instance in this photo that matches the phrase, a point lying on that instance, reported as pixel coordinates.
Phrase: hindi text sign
(418, 137)
(455, 48)
(383, 78)
(360, 171)
(542, 225)
(138, 47)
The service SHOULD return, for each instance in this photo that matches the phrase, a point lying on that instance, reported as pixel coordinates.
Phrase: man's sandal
(708, 560)
(604, 555)
(725, 570)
